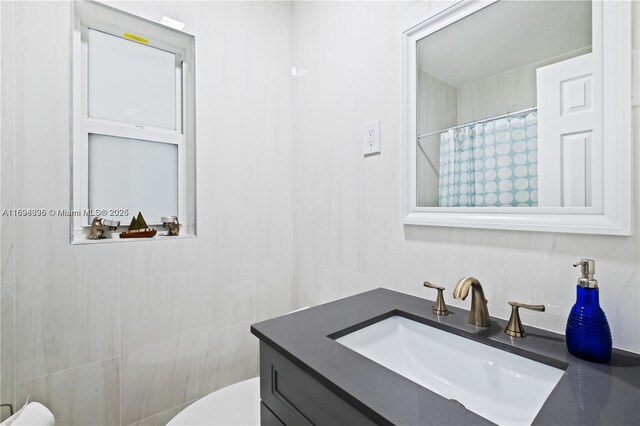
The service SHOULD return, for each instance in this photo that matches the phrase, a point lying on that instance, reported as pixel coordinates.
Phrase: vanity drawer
(296, 398)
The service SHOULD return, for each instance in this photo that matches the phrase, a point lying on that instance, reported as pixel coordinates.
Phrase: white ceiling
(505, 36)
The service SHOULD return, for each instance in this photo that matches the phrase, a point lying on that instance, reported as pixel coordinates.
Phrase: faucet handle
(429, 285)
(440, 308)
(514, 326)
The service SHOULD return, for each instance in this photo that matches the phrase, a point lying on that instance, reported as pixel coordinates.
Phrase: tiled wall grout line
(163, 412)
(197, 274)
(67, 369)
(120, 334)
(13, 201)
(13, 378)
(156, 276)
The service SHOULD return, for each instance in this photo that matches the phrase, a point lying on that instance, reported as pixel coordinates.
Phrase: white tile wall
(346, 217)
(228, 271)
(7, 195)
(7, 69)
(66, 300)
(160, 344)
(230, 355)
(282, 223)
(132, 333)
(86, 395)
(148, 259)
(7, 360)
(41, 104)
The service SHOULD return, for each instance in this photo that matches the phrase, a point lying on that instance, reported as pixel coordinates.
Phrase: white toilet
(238, 404)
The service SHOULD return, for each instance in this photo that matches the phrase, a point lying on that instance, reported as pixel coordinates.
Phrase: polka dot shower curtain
(490, 164)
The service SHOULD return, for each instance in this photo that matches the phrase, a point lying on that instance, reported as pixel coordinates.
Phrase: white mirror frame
(611, 212)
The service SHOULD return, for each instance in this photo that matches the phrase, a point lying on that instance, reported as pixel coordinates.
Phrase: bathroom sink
(500, 386)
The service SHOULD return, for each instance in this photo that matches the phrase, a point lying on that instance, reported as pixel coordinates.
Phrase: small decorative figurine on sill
(99, 225)
(173, 224)
(97, 232)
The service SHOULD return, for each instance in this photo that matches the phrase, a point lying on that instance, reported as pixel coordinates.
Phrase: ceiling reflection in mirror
(505, 110)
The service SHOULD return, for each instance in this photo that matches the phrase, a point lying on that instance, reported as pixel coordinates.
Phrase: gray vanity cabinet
(292, 397)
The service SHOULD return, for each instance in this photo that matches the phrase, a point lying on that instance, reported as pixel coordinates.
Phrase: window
(133, 145)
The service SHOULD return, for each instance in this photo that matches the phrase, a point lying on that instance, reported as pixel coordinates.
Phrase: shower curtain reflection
(490, 164)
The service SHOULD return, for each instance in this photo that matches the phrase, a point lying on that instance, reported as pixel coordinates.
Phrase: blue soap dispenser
(588, 334)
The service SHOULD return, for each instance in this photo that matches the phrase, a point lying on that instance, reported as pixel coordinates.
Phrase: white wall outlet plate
(371, 137)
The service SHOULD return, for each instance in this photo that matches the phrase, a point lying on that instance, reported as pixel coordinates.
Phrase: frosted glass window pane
(133, 174)
(131, 82)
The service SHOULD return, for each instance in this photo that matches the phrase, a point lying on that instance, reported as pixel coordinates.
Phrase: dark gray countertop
(589, 393)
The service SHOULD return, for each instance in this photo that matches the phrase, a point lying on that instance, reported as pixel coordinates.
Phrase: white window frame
(96, 16)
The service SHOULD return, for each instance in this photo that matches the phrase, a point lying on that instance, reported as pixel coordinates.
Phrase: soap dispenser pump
(588, 334)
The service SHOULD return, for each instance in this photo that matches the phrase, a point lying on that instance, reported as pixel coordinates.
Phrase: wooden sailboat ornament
(138, 229)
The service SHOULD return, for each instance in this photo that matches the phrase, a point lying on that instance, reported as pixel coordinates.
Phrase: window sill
(115, 239)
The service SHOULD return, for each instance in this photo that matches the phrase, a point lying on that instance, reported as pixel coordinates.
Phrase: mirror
(507, 113)
(479, 107)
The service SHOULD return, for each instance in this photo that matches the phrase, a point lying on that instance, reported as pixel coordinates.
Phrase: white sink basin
(502, 387)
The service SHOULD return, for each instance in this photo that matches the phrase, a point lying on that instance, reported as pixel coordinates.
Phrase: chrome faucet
(479, 314)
